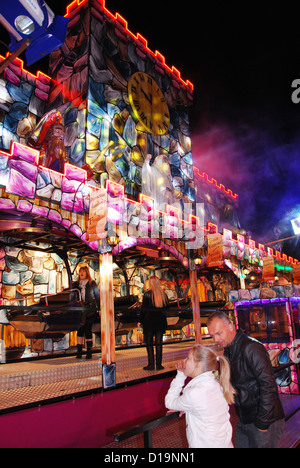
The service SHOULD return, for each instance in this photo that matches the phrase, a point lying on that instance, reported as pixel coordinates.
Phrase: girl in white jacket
(205, 400)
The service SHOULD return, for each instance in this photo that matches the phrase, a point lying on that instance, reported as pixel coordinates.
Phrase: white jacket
(206, 410)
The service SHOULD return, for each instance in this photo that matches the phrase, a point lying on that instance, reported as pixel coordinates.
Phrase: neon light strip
(204, 176)
(20, 63)
(240, 239)
(161, 61)
(16, 149)
(193, 222)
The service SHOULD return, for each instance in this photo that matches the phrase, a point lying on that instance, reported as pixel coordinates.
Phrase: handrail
(40, 308)
(43, 296)
(145, 428)
(58, 306)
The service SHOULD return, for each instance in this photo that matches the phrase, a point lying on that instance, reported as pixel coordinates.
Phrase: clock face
(148, 104)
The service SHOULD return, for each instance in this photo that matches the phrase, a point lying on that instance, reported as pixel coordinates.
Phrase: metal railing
(145, 429)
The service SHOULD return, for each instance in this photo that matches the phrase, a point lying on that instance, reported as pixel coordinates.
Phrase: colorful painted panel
(23, 99)
(64, 199)
(109, 86)
(273, 322)
(215, 203)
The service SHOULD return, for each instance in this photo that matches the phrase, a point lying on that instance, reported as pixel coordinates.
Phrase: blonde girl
(205, 399)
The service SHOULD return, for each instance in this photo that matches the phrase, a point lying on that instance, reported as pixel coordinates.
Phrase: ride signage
(215, 250)
(268, 268)
(296, 269)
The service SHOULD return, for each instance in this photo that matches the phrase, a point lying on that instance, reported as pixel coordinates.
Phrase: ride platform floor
(28, 383)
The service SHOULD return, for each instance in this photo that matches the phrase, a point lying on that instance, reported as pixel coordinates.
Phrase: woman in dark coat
(90, 296)
(154, 321)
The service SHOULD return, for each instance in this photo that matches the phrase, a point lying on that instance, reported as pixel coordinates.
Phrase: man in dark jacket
(261, 416)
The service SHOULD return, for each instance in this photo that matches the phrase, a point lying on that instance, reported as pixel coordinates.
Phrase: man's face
(222, 332)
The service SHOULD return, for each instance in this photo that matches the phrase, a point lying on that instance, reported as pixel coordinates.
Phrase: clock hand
(148, 99)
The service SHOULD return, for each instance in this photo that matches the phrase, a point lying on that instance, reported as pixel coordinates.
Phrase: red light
(204, 176)
(138, 38)
(20, 63)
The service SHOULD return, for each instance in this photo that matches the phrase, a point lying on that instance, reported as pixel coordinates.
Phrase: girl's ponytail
(224, 380)
(211, 362)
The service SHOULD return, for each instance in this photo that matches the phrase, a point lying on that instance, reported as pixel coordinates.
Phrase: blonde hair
(210, 362)
(159, 296)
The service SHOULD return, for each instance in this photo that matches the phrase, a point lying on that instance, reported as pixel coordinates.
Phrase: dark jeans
(149, 336)
(248, 436)
(86, 329)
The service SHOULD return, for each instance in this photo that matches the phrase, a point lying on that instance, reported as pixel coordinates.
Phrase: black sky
(242, 58)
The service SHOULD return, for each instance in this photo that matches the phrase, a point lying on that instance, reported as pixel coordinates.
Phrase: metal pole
(196, 306)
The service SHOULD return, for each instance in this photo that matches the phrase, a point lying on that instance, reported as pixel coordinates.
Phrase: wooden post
(107, 317)
(196, 306)
(241, 277)
(17, 53)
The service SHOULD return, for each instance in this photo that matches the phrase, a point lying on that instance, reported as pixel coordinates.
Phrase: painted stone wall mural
(111, 107)
(25, 276)
(23, 99)
(48, 138)
(122, 103)
(273, 322)
(157, 180)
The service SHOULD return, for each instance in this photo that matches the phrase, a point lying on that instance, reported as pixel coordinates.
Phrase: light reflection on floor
(29, 382)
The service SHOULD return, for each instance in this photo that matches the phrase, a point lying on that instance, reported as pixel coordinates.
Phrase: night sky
(242, 58)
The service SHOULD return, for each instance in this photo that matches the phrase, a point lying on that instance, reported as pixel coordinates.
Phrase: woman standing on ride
(90, 296)
(153, 318)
